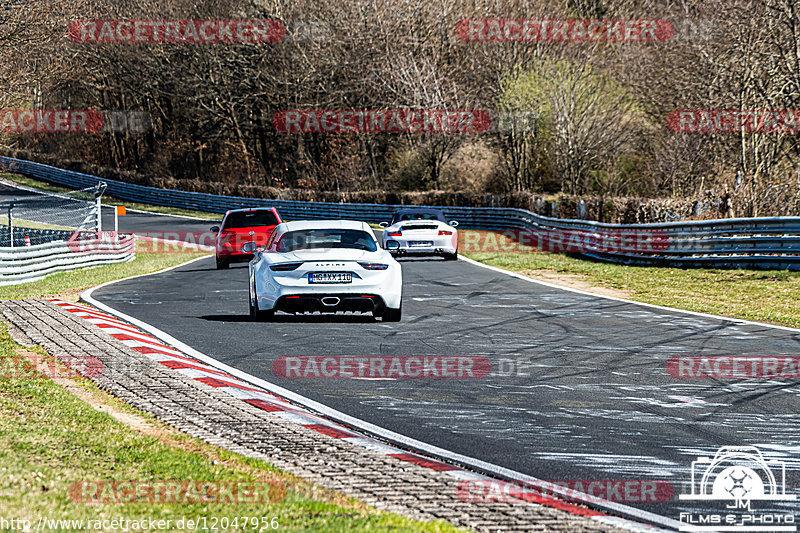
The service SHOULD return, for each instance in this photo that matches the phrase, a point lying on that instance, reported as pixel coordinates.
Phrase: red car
(240, 226)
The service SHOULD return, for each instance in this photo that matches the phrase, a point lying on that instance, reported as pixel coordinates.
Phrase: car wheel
(392, 315)
(451, 257)
(265, 316)
(258, 315)
(222, 264)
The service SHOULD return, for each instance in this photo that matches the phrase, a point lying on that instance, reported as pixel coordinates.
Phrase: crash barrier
(23, 264)
(768, 243)
(28, 236)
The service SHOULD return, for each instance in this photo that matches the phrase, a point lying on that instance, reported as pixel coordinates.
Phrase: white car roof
(323, 224)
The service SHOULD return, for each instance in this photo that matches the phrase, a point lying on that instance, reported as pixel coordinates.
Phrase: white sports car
(325, 266)
(423, 232)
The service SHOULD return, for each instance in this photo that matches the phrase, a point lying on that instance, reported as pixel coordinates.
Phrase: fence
(769, 243)
(31, 263)
(28, 236)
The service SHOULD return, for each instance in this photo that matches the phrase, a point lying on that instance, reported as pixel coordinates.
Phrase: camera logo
(735, 477)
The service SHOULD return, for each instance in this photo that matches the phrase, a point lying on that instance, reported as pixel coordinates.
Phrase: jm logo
(737, 476)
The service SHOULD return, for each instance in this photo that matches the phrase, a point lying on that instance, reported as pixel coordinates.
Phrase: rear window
(326, 238)
(418, 215)
(246, 219)
(419, 226)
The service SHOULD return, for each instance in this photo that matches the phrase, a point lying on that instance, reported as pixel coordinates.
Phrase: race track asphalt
(578, 390)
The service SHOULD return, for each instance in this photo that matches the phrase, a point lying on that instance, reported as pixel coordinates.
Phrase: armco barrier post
(99, 214)
(98, 195)
(10, 224)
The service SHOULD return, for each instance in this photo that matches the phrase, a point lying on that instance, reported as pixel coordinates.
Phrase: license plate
(420, 244)
(330, 277)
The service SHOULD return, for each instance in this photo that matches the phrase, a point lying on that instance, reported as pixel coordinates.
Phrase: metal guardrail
(35, 236)
(31, 263)
(767, 243)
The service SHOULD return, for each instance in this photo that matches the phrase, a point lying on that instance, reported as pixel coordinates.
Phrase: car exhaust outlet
(330, 301)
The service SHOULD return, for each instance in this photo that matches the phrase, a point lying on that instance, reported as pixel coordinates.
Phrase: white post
(116, 221)
(99, 208)
(11, 223)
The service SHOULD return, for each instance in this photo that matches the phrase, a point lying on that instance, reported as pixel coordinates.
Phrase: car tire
(252, 307)
(222, 264)
(392, 315)
(265, 316)
(451, 257)
(257, 315)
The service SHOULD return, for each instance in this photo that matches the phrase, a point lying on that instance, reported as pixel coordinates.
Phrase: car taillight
(374, 266)
(227, 234)
(443, 232)
(285, 267)
(398, 233)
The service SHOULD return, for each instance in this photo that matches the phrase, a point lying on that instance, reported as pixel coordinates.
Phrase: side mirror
(214, 228)
(453, 223)
(384, 224)
(392, 245)
(249, 247)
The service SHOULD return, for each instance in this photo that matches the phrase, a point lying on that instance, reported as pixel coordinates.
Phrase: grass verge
(20, 225)
(110, 200)
(764, 296)
(50, 440)
(68, 285)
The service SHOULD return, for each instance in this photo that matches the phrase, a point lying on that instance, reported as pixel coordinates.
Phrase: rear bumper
(442, 245)
(423, 251)
(384, 290)
(238, 257)
(330, 303)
